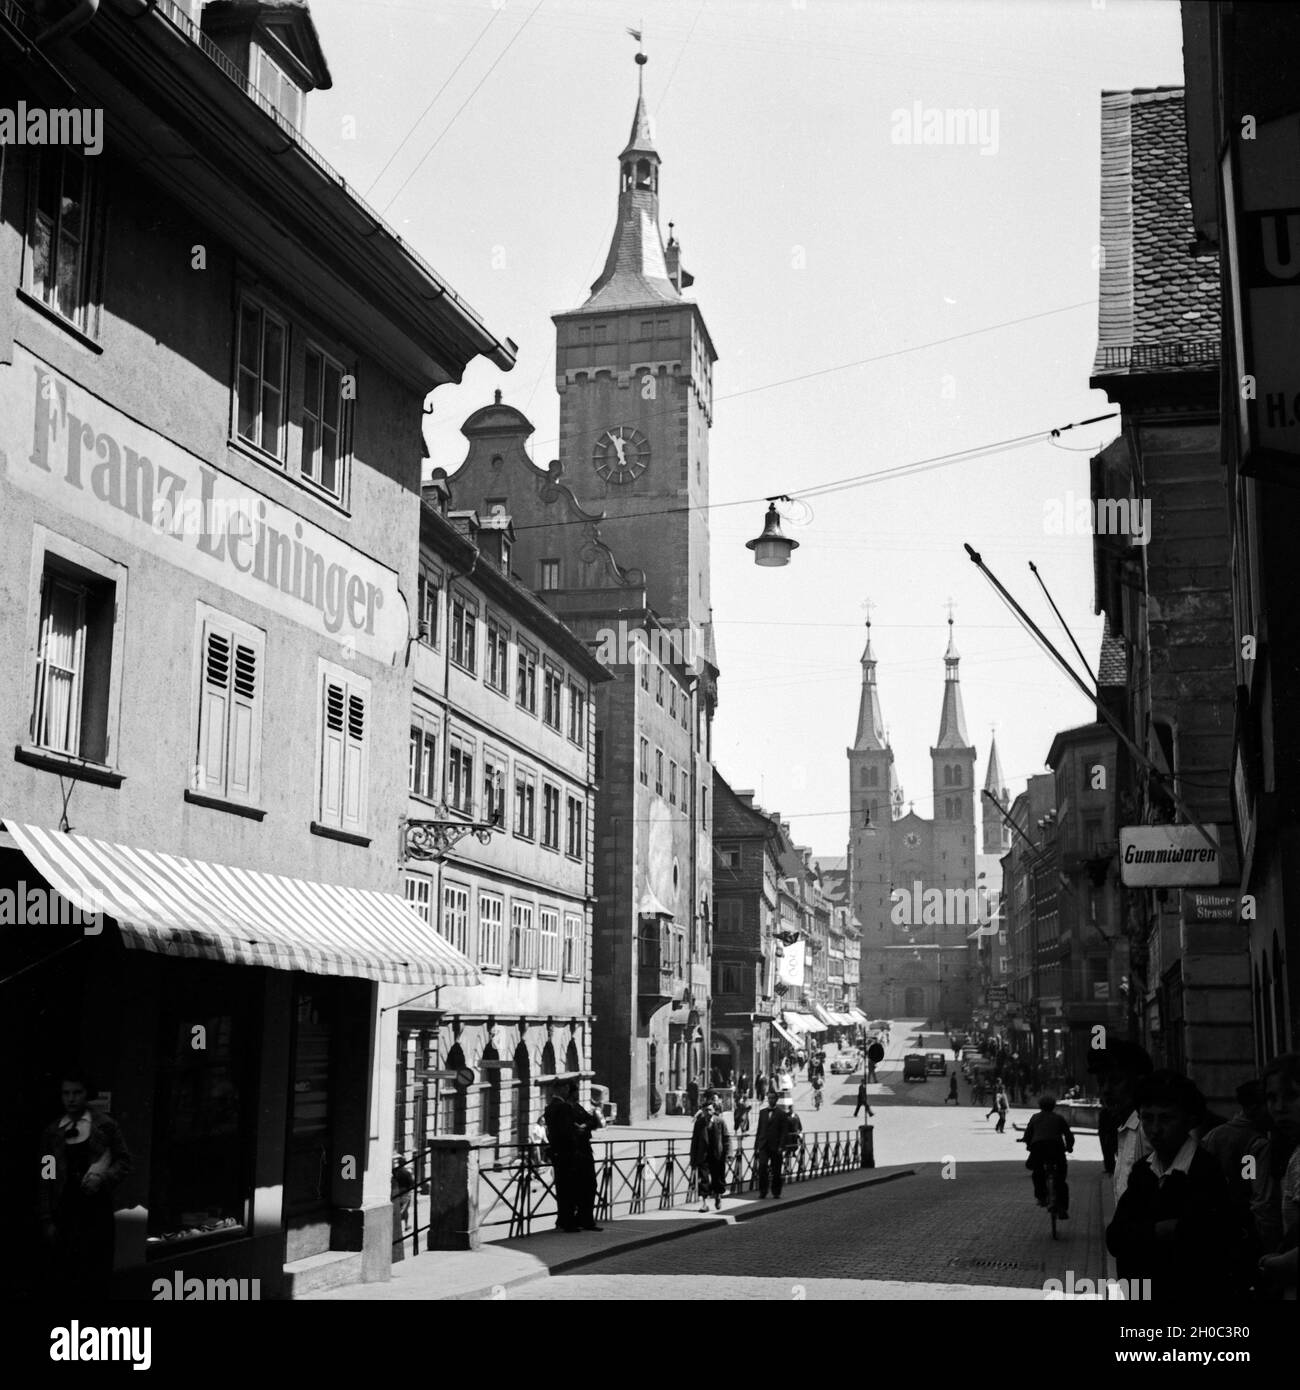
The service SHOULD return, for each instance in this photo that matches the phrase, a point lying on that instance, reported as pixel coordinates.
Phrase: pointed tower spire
(871, 724)
(952, 721)
(993, 780)
(637, 270)
(997, 838)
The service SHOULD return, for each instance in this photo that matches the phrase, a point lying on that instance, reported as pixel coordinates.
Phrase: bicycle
(1055, 1181)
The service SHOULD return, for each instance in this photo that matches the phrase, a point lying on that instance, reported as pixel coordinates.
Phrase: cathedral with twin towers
(915, 953)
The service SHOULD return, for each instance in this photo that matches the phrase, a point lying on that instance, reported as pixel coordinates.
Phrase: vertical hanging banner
(790, 967)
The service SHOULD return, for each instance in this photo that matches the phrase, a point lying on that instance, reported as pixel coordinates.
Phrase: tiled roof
(1159, 301)
(636, 271)
(1112, 664)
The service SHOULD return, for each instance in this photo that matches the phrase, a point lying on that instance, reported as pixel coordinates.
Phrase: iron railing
(517, 1188)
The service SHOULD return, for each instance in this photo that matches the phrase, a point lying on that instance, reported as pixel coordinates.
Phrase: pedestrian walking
(740, 1115)
(862, 1101)
(760, 1088)
(875, 1055)
(83, 1157)
(710, 1150)
(952, 1091)
(1002, 1105)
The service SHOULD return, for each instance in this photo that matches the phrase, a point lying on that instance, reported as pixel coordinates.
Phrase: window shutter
(332, 759)
(354, 764)
(245, 717)
(214, 710)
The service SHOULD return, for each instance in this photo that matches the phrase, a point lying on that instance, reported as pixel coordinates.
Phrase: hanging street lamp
(773, 547)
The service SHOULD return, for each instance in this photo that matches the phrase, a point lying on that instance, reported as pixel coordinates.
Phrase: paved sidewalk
(506, 1264)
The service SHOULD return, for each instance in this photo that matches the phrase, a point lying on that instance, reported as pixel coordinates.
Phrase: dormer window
(284, 95)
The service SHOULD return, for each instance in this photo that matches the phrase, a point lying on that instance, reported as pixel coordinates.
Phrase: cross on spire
(950, 606)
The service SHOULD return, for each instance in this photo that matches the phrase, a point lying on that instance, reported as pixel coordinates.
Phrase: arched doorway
(452, 1105)
(523, 1094)
(914, 1002)
(572, 1062)
(489, 1095)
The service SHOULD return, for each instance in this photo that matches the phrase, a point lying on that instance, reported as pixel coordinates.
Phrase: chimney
(746, 797)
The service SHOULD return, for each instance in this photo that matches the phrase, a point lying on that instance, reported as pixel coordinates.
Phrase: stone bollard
(868, 1147)
(454, 1163)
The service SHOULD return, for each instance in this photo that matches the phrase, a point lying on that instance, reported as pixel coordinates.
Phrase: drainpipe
(76, 18)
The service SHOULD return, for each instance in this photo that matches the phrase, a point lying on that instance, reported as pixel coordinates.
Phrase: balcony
(656, 982)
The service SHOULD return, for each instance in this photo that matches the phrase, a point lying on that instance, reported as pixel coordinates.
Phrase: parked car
(936, 1064)
(843, 1066)
(914, 1067)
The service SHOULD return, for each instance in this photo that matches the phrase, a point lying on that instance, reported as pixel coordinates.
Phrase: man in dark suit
(1175, 1223)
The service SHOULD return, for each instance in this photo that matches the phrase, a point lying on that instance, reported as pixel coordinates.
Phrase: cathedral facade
(915, 884)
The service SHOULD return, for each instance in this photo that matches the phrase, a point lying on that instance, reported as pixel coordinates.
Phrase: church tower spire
(871, 723)
(952, 719)
(997, 838)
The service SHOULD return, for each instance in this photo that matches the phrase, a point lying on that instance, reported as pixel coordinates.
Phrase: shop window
(204, 1103)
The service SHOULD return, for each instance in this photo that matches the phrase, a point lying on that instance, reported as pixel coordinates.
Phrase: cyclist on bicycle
(1049, 1139)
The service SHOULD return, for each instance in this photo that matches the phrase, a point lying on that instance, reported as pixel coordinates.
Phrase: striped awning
(803, 1023)
(205, 911)
(786, 1034)
(859, 1017)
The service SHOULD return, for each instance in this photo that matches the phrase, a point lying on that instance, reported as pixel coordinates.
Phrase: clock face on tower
(911, 839)
(621, 454)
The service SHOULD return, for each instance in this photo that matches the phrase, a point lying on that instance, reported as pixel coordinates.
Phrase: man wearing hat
(1119, 1066)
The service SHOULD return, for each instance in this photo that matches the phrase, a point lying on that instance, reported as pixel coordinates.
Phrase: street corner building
(213, 359)
(613, 536)
(497, 857)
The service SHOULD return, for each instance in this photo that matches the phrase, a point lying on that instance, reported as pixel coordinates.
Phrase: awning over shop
(804, 1023)
(200, 910)
(859, 1018)
(825, 1015)
(786, 1034)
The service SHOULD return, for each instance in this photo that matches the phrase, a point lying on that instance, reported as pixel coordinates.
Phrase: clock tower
(634, 370)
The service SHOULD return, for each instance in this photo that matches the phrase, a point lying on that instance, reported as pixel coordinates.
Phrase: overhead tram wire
(869, 361)
(1138, 755)
(837, 485)
(496, 14)
(462, 106)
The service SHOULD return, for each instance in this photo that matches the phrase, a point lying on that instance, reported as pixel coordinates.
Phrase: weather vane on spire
(641, 59)
(951, 606)
(868, 607)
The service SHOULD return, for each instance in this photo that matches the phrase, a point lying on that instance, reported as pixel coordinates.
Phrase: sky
(875, 301)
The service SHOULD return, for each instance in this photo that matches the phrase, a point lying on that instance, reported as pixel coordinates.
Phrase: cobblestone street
(964, 1226)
